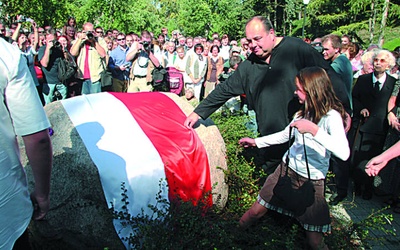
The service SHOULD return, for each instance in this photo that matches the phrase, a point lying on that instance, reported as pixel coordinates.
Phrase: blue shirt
(117, 59)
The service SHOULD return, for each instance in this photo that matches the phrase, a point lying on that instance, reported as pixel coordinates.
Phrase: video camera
(24, 19)
(318, 46)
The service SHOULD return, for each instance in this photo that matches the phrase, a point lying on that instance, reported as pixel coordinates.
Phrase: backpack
(175, 80)
(159, 81)
(66, 68)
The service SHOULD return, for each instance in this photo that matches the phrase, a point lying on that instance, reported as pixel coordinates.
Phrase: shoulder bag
(106, 77)
(292, 199)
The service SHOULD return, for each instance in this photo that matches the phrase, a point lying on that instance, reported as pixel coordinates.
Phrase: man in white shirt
(22, 114)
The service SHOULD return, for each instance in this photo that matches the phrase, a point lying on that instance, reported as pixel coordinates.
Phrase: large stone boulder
(79, 217)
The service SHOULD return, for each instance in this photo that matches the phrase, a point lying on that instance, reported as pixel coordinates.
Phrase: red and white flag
(140, 139)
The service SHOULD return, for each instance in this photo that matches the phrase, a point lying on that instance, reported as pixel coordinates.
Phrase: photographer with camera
(29, 48)
(90, 52)
(49, 57)
(143, 62)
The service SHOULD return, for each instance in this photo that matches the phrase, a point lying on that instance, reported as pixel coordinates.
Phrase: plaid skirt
(317, 216)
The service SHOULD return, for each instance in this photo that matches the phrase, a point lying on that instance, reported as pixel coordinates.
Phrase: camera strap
(143, 60)
(288, 152)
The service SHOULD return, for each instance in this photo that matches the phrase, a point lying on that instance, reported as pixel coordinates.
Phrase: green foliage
(391, 37)
(45, 12)
(192, 19)
(203, 17)
(391, 45)
(377, 220)
(226, 17)
(357, 235)
(242, 175)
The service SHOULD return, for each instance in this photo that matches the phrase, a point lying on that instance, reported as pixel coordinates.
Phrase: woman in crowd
(180, 61)
(65, 44)
(214, 69)
(109, 42)
(367, 65)
(319, 124)
(196, 67)
(351, 50)
(71, 22)
(29, 50)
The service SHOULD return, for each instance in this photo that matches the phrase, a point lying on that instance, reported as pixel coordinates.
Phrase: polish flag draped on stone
(139, 139)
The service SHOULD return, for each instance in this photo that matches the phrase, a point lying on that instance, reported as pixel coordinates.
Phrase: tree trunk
(383, 22)
(372, 20)
(284, 23)
(275, 14)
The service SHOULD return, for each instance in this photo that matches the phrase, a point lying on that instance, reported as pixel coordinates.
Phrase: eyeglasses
(99, 31)
(120, 39)
(381, 60)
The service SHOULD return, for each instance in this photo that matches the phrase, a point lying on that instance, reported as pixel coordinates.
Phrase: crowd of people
(364, 107)
(341, 101)
(129, 57)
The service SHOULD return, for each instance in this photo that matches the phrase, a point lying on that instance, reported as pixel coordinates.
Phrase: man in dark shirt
(49, 56)
(267, 79)
(332, 45)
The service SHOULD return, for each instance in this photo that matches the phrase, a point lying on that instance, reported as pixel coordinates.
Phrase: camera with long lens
(318, 47)
(146, 45)
(22, 19)
(56, 44)
(89, 35)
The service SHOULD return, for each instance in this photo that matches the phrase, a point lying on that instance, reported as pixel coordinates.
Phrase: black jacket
(365, 97)
(269, 88)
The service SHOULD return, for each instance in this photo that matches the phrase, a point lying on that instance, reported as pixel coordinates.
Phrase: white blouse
(330, 139)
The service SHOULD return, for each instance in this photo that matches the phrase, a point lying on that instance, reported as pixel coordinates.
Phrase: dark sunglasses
(120, 39)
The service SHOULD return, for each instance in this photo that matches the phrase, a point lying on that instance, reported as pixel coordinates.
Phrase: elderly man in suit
(370, 94)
